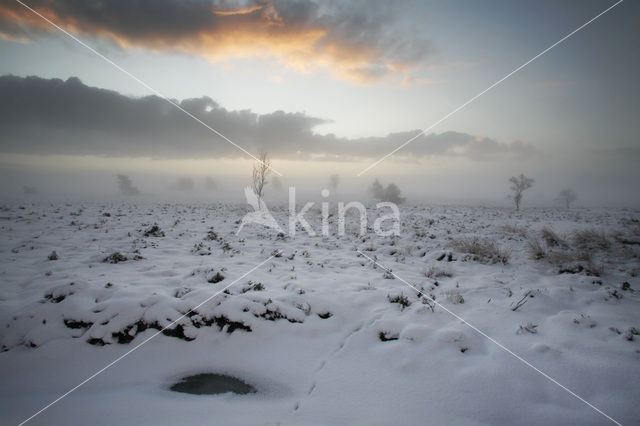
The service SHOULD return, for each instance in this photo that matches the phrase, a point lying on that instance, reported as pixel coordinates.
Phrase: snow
(318, 329)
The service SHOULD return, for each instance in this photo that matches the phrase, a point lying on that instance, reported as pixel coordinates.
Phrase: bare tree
(519, 185)
(126, 187)
(377, 190)
(568, 196)
(183, 185)
(392, 193)
(261, 171)
(210, 184)
(334, 181)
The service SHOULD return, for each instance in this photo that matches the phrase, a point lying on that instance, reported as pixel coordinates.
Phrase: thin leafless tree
(568, 196)
(334, 181)
(261, 171)
(210, 184)
(518, 185)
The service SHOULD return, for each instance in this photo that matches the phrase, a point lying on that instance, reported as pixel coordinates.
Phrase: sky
(324, 88)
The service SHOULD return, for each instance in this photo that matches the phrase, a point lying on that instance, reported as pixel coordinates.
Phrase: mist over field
(484, 186)
(78, 152)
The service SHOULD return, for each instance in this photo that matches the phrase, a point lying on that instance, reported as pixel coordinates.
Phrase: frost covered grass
(590, 239)
(585, 250)
(324, 335)
(438, 271)
(514, 229)
(483, 250)
(551, 238)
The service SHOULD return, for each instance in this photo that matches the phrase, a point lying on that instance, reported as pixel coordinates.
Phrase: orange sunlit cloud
(218, 34)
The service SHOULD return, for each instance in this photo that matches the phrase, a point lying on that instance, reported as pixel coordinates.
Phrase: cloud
(362, 41)
(52, 116)
(411, 80)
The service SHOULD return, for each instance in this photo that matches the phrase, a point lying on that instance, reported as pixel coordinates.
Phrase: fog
(76, 152)
(479, 186)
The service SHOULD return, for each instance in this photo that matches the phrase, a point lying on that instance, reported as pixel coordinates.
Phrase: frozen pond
(211, 384)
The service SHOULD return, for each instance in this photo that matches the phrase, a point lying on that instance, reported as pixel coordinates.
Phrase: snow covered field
(326, 336)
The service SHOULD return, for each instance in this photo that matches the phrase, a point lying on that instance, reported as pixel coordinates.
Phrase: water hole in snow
(212, 384)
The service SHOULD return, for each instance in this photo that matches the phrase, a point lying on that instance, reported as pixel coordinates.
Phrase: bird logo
(260, 215)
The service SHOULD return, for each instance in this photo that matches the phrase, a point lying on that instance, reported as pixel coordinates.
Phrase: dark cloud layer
(359, 40)
(52, 116)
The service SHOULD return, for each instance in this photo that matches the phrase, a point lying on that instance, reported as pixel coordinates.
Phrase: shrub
(116, 257)
(400, 299)
(215, 278)
(390, 194)
(154, 231)
(436, 271)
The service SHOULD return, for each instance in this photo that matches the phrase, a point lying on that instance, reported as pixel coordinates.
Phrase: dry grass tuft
(537, 250)
(483, 251)
(590, 239)
(577, 257)
(437, 271)
(514, 229)
(551, 238)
